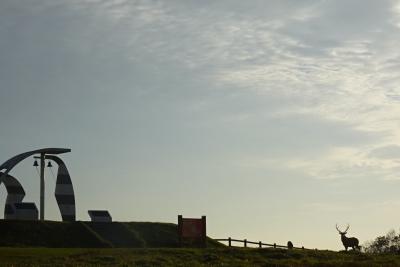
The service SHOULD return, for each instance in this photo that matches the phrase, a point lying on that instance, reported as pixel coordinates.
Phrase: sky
(275, 119)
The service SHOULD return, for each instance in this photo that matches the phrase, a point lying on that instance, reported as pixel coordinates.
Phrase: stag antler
(343, 232)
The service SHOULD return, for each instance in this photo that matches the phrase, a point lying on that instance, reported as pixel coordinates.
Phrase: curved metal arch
(9, 164)
(15, 194)
(64, 191)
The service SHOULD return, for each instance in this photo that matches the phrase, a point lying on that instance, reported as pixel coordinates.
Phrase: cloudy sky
(276, 119)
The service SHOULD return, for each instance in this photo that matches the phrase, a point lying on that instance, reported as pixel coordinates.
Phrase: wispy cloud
(303, 91)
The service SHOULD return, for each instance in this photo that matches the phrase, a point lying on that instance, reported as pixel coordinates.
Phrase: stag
(348, 242)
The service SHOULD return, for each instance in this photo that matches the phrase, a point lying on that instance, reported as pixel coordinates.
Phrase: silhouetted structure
(26, 211)
(259, 243)
(7, 166)
(348, 242)
(192, 231)
(289, 245)
(100, 216)
(64, 191)
(15, 209)
(15, 194)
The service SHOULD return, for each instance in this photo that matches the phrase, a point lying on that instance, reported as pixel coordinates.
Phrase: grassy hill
(145, 257)
(89, 235)
(149, 244)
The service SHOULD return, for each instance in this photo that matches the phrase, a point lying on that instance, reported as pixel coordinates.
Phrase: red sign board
(192, 231)
(192, 228)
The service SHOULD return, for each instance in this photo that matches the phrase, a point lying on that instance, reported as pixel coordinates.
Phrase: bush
(390, 243)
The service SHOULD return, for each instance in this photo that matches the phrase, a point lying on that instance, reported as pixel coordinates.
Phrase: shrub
(390, 243)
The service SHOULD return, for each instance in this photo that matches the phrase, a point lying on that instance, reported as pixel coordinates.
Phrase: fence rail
(259, 243)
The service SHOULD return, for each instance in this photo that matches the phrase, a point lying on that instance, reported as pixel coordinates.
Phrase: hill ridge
(83, 234)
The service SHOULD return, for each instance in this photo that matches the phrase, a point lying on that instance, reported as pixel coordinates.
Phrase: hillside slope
(89, 234)
(173, 257)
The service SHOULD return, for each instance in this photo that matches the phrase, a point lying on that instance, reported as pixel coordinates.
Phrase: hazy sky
(276, 119)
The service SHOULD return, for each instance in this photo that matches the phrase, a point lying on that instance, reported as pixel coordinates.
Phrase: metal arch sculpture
(15, 194)
(64, 191)
(12, 162)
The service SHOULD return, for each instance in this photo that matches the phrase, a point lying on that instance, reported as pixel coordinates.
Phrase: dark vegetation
(146, 257)
(389, 243)
(89, 235)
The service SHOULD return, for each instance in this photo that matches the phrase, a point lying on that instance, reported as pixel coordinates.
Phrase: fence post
(245, 243)
(230, 241)
(180, 230)
(204, 237)
(259, 244)
(274, 245)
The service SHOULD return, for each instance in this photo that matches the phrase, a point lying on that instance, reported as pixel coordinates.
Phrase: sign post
(192, 230)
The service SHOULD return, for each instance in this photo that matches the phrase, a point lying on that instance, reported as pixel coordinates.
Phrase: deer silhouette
(348, 242)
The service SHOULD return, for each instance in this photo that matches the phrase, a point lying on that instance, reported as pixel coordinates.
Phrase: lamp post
(42, 156)
(42, 185)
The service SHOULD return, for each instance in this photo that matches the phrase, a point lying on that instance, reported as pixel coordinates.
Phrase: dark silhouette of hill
(89, 234)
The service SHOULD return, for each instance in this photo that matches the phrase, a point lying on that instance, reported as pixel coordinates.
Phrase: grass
(145, 257)
(149, 244)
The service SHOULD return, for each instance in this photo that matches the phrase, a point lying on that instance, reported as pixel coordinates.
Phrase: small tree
(390, 243)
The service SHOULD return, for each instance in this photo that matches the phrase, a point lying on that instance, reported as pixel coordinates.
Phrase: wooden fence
(259, 243)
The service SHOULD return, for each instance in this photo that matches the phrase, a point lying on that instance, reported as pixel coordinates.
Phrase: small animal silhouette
(348, 242)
